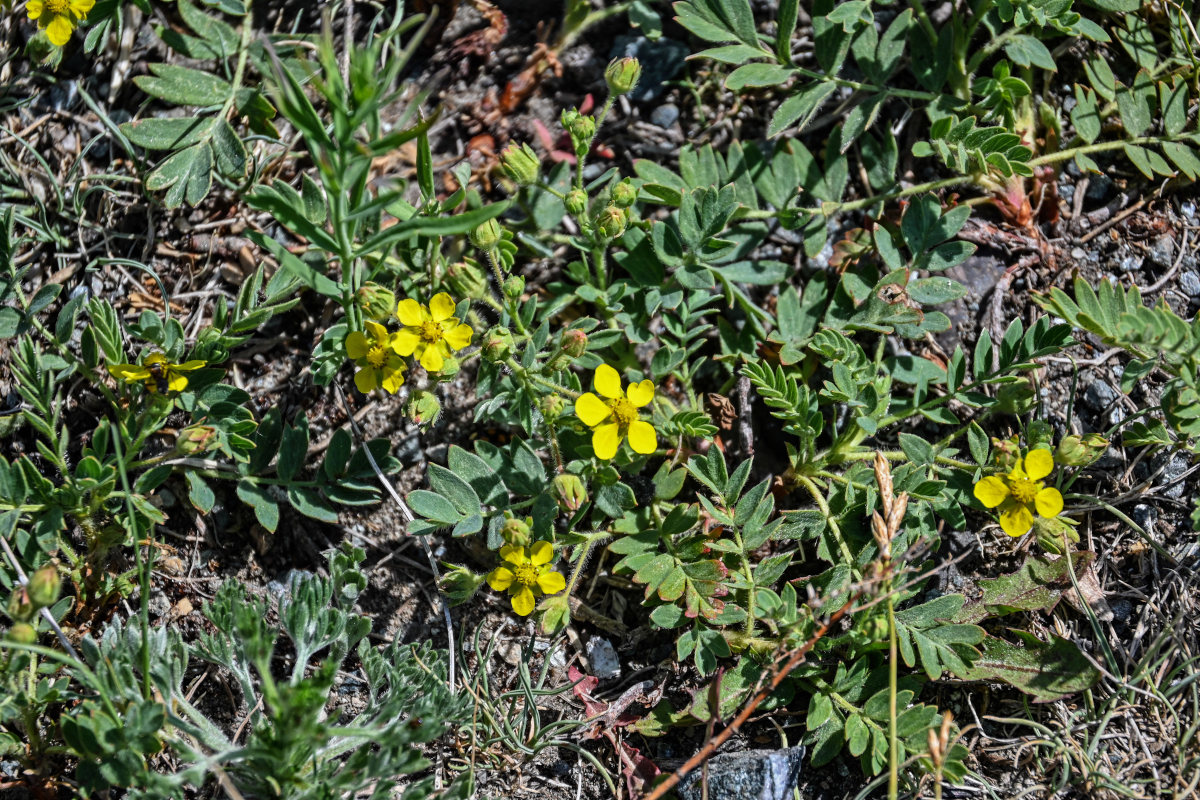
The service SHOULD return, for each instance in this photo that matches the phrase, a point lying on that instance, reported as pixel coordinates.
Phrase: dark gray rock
(1121, 609)
(1189, 284)
(752, 775)
(665, 116)
(1100, 394)
(1162, 252)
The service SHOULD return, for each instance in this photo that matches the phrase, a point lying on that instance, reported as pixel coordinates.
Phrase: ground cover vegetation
(857, 403)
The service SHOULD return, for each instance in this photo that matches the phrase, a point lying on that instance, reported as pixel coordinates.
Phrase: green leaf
(1028, 50)
(309, 502)
(167, 134)
(200, 493)
(757, 75)
(1136, 105)
(187, 175)
(934, 291)
(258, 498)
(184, 86)
(454, 489)
(1047, 671)
(1085, 116)
(433, 506)
(799, 109)
(293, 451)
(1036, 586)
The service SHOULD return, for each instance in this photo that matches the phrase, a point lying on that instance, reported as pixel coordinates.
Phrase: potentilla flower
(430, 334)
(375, 354)
(527, 576)
(158, 374)
(1019, 493)
(58, 17)
(616, 416)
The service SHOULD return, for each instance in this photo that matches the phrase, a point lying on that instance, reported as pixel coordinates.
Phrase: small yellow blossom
(58, 17)
(430, 334)
(616, 416)
(528, 575)
(380, 365)
(1019, 493)
(157, 373)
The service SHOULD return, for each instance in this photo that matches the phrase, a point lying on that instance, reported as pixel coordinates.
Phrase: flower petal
(1049, 502)
(364, 380)
(441, 307)
(188, 366)
(1016, 520)
(458, 337)
(1039, 464)
(513, 554)
(500, 578)
(59, 30)
(608, 382)
(175, 381)
(392, 380)
(80, 8)
(409, 312)
(522, 601)
(991, 491)
(642, 437)
(33, 8)
(541, 553)
(128, 372)
(640, 394)
(376, 331)
(431, 359)
(605, 440)
(591, 409)
(356, 345)
(551, 582)
(406, 341)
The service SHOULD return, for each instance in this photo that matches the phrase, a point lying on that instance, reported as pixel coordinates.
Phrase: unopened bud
(467, 279)
(622, 75)
(22, 633)
(576, 202)
(573, 342)
(422, 407)
(516, 532)
(581, 127)
(20, 607)
(1016, 397)
(520, 164)
(486, 235)
(623, 194)
(195, 439)
(1007, 453)
(514, 287)
(570, 492)
(1055, 534)
(377, 302)
(611, 222)
(459, 584)
(497, 344)
(45, 586)
(552, 406)
(1080, 451)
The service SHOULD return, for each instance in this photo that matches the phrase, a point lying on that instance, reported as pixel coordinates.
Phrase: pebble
(1176, 465)
(665, 116)
(1189, 283)
(1145, 516)
(1100, 394)
(1188, 209)
(603, 658)
(1131, 263)
(759, 774)
(1112, 459)
(1121, 609)
(1078, 254)
(1099, 188)
(1162, 252)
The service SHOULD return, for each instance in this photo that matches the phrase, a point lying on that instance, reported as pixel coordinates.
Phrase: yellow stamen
(57, 6)
(527, 574)
(1024, 490)
(431, 331)
(377, 357)
(623, 411)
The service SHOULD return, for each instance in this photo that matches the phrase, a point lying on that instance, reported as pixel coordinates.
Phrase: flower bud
(1016, 397)
(450, 368)
(520, 164)
(516, 532)
(467, 279)
(486, 235)
(195, 439)
(1006, 453)
(611, 222)
(552, 406)
(1039, 435)
(497, 344)
(622, 75)
(377, 302)
(570, 492)
(514, 287)
(45, 586)
(459, 584)
(576, 202)
(581, 127)
(22, 633)
(1055, 534)
(20, 607)
(1079, 451)
(423, 407)
(624, 194)
(573, 342)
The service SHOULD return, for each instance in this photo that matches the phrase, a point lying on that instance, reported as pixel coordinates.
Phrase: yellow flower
(157, 373)
(380, 364)
(528, 576)
(430, 334)
(623, 411)
(1020, 492)
(58, 17)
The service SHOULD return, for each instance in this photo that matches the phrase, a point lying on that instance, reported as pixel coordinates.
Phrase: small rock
(1112, 459)
(1188, 209)
(1121, 609)
(1100, 394)
(1189, 283)
(1162, 252)
(603, 658)
(1099, 188)
(1173, 466)
(159, 604)
(1131, 263)
(757, 774)
(665, 116)
(1145, 516)
(1078, 254)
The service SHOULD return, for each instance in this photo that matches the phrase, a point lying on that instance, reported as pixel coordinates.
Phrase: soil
(1110, 227)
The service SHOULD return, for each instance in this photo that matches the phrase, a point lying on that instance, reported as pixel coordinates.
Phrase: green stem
(893, 681)
(819, 498)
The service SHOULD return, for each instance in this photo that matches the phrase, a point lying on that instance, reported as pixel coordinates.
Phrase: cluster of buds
(196, 439)
(497, 344)
(884, 526)
(42, 590)
(486, 235)
(517, 532)
(581, 128)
